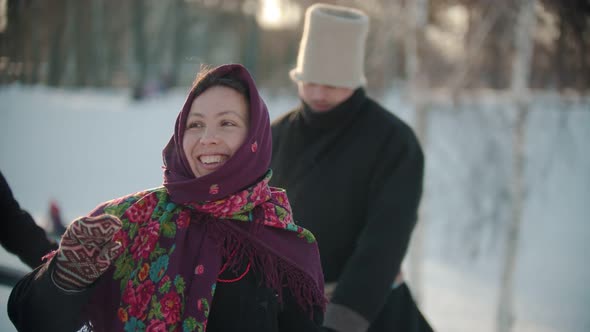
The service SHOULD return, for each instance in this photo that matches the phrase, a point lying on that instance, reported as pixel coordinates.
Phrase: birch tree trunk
(139, 60)
(12, 41)
(99, 75)
(35, 45)
(519, 85)
(68, 77)
(178, 48)
(83, 45)
(416, 14)
(57, 52)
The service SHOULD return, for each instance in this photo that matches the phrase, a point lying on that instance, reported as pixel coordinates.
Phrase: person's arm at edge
(21, 236)
(37, 304)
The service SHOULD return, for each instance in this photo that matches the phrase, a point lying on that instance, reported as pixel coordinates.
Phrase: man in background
(354, 174)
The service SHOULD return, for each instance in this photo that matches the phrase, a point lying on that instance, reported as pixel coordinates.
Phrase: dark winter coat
(36, 304)
(354, 177)
(20, 235)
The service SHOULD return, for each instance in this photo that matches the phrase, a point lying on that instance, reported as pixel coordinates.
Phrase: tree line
(460, 44)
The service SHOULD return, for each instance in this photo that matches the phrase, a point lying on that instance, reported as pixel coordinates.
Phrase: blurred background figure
(153, 87)
(57, 227)
(354, 172)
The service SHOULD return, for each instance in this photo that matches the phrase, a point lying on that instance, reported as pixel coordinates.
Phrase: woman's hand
(86, 251)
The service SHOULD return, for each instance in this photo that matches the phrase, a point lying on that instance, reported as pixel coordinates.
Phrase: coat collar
(336, 117)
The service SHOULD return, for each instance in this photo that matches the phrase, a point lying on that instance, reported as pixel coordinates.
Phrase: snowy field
(81, 148)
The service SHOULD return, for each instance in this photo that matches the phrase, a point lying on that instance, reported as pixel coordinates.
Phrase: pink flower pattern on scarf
(156, 326)
(138, 298)
(146, 240)
(170, 305)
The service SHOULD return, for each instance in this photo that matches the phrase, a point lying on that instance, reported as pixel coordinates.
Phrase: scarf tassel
(238, 245)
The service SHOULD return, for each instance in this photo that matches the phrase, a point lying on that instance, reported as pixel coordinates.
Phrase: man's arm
(393, 202)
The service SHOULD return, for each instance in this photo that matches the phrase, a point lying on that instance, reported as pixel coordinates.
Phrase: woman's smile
(212, 161)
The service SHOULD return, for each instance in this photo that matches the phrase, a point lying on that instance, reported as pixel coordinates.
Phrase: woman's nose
(209, 137)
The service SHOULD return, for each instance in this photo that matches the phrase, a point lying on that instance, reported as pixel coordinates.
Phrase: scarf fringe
(237, 245)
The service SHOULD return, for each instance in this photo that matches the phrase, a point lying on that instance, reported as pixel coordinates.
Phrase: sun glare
(271, 12)
(276, 14)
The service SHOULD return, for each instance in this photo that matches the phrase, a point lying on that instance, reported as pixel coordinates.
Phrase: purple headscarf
(249, 163)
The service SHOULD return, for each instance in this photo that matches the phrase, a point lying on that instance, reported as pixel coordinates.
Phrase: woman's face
(216, 127)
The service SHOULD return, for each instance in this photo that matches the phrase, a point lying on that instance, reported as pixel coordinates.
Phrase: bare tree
(179, 39)
(57, 46)
(70, 51)
(478, 35)
(416, 13)
(84, 44)
(521, 69)
(100, 45)
(35, 44)
(139, 61)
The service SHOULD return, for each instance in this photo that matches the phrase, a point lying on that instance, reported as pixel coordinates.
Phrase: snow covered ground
(86, 146)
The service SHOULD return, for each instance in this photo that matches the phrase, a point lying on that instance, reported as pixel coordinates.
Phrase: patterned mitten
(86, 251)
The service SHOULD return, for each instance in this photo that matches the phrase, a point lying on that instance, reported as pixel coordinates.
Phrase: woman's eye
(194, 125)
(227, 123)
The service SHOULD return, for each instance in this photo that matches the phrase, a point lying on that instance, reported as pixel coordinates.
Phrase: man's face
(322, 98)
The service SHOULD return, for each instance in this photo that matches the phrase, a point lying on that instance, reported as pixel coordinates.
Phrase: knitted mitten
(86, 251)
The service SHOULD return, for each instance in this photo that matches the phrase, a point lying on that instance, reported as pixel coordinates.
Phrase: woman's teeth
(211, 159)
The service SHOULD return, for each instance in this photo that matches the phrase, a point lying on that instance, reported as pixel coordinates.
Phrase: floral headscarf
(248, 164)
(178, 238)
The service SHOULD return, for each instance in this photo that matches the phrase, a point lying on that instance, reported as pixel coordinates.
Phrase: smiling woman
(217, 125)
(213, 249)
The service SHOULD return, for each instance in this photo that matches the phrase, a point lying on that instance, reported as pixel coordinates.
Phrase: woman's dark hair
(206, 80)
